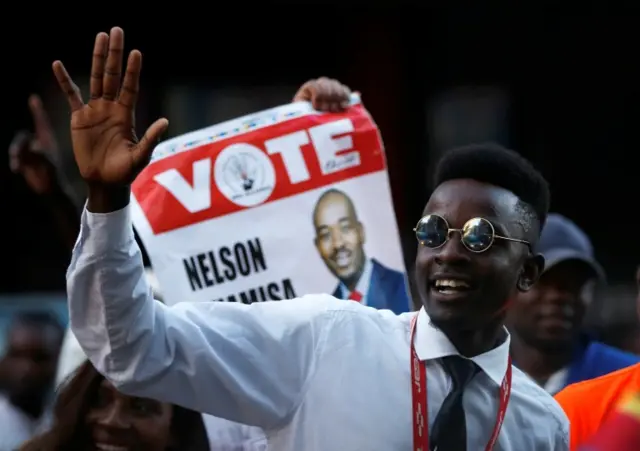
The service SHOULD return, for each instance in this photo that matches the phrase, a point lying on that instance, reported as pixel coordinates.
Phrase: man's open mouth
(342, 258)
(450, 286)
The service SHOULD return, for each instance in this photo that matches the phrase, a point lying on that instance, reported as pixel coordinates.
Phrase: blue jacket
(387, 289)
(594, 359)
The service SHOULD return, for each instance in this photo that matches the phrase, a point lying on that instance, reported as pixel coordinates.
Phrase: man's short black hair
(493, 164)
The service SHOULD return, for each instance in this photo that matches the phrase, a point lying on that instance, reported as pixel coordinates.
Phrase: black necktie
(449, 432)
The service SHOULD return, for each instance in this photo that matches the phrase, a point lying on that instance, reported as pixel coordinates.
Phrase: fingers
(325, 94)
(97, 65)
(142, 152)
(131, 82)
(335, 96)
(113, 65)
(44, 131)
(68, 86)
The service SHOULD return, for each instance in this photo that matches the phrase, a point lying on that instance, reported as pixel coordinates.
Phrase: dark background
(568, 86)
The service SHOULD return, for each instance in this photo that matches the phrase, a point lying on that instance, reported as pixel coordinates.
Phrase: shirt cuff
(103, 232)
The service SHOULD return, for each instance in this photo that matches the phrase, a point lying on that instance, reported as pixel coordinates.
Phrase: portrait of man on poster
(339, 239)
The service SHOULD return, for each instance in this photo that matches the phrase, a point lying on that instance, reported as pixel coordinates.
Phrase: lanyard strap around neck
(420, 410)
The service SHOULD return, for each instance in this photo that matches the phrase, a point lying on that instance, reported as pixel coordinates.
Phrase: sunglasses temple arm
(515, 240)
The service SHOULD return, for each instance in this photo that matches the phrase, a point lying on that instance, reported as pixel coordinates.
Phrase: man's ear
(533, 267)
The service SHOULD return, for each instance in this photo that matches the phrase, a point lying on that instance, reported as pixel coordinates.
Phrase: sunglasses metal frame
(461, 232)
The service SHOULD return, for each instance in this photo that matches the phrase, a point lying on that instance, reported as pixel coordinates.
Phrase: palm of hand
(105, 145)
(39, 179)
(104, 142)
(32, 162)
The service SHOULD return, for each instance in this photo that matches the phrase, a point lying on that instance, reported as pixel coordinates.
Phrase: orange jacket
(590, 403)
(621, 432)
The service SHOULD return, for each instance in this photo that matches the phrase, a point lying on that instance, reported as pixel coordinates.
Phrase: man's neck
(471, 343)
(352, 282)
(538, 363)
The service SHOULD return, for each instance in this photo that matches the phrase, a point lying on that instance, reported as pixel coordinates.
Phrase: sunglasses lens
(432, 231)
(477, 235)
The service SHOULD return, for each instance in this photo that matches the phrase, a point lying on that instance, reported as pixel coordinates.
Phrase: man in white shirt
(317, 373)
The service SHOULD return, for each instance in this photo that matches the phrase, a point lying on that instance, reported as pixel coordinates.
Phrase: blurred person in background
(547, 322)
(90, 414)
(33, 345)
(590, 404)
(36, 157)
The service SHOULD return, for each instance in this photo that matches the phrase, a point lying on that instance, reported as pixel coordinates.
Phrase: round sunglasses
(477, 234)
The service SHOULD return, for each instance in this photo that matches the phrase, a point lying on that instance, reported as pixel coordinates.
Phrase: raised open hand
(35, 155)
(325, 94)
(105, 145)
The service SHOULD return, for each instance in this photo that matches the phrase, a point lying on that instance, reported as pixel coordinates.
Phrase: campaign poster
(271, 206)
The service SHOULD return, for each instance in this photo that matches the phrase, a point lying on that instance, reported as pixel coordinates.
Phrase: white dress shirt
(224, 435)
(16, 427)
(71, 357)
(316, 373)
(556, 381)
(362, 286)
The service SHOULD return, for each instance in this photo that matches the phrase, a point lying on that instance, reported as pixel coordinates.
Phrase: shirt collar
(431, 343)
(556, 381)
(363, 282)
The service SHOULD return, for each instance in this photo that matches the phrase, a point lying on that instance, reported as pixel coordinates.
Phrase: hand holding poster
(272, 206)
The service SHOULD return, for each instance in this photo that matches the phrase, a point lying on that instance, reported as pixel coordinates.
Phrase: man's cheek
(325, 252)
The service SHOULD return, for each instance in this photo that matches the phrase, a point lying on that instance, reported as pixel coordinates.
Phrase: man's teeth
(451, 284)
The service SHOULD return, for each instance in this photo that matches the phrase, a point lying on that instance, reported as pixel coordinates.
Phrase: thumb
(17, 148)
(142, 152)
(304, 94)
(19, 142)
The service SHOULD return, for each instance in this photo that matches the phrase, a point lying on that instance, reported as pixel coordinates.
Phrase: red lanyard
(420, 412)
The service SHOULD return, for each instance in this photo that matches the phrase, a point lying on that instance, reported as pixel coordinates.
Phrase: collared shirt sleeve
(562, 437)
(246, 363)
(225, 435)
(70, 359)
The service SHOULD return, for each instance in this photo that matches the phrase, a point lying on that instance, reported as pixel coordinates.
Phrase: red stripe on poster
(258, 167)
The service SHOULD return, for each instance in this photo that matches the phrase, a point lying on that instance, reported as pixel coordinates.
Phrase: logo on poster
(244, 175)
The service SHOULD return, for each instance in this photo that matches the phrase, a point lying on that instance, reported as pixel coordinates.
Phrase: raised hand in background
(36, 157)
(106, 148)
